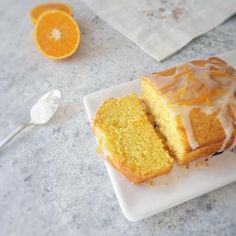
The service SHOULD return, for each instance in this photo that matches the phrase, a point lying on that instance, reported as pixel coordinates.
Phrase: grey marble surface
(51, 179)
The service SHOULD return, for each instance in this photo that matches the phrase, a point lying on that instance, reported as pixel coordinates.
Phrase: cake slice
(194, 107)
(128, 140)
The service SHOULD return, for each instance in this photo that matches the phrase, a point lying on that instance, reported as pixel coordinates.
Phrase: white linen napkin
(162, 27)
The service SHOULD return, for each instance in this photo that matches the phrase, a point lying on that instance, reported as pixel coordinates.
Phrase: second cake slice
(129, 141)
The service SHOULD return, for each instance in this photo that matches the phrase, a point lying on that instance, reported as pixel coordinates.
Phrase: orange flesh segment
(57, 34)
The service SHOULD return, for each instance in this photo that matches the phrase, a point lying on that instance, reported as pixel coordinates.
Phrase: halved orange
(37, 11)
(56, 34)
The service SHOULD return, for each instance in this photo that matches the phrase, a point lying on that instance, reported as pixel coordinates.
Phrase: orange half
(37, 11)
(57, 34)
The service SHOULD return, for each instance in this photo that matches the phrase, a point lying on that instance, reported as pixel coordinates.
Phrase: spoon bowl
(45, 108)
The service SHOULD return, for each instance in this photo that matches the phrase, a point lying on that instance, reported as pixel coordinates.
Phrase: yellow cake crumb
(124, 129)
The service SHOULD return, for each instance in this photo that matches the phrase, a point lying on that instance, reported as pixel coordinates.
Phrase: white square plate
(141, 201)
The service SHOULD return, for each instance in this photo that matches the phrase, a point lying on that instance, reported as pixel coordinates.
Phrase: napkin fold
(162, 27)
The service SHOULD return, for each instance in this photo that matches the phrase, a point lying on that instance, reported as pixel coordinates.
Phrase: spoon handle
(14, 133)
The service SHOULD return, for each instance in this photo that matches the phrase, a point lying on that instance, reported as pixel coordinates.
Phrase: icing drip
(232, 145)
(208, 85)
(227, 124)
(186, 122)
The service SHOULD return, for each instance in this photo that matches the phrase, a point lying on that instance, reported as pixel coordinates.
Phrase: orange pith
(37, 11)
(57, 34)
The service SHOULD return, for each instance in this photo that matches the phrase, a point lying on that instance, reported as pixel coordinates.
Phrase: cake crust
(134, 176)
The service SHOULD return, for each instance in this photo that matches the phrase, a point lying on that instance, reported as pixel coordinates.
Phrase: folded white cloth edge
(168, 43)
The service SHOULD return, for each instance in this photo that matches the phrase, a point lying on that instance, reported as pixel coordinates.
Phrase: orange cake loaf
(128, 140)
(194, 107)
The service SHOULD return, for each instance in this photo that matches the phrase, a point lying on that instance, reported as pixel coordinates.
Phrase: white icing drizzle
(227, 124)
(186, 122)
(222, 86)
(232, 145)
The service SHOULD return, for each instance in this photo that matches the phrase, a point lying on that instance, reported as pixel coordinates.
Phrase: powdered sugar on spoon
(41, 112)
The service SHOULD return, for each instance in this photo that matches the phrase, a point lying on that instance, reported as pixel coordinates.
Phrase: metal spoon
(41, 112)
